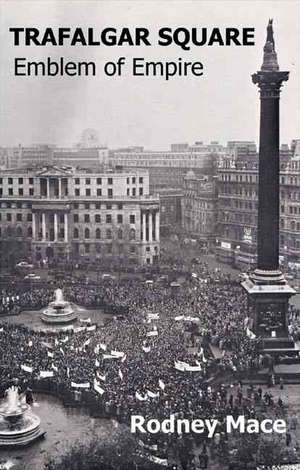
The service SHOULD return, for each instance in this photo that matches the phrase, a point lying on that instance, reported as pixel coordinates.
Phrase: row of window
(108, 218)
(87, 218)
(20, 192)
(19, 217)
(10, 180)
(20, 180)
(237, 217)
(293, 225)
(78, 192)
(240, 178)
(108, 234)
(109, 180)
(98, 206)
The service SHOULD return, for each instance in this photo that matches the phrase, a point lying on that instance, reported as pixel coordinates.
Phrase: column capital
(269, 83)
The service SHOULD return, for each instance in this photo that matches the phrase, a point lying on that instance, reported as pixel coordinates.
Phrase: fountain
(59, 311)
(18, 425)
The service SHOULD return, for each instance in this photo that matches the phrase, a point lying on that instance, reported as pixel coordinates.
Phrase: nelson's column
(268, 292)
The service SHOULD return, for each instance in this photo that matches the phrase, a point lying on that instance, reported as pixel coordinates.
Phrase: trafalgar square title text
(185, 39)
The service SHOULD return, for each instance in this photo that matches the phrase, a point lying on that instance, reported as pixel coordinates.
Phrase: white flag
(179, 366)
(26, 368)
(152, 333)
(161, 384)
(79, 329)
(146, 349)
(120, 374)
(80, 385)
(153, 316)
(181, 317)
(140, 397)
(97, 363)
(46, 373)
(91, 328)
(98, 388)
(152, 394)
(158, 460)
(101, 377)
(123, 358)
(30, 343)
(50, 354)
(117, 353)
(103, 346)
(193, 368)
(62, 351)
(250, 334)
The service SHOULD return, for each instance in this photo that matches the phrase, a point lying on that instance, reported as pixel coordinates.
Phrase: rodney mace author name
(206, 426)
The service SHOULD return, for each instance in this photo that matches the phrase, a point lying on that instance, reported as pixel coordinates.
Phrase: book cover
(149, 235)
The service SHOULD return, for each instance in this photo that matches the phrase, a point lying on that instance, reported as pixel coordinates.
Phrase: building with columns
(66, 214)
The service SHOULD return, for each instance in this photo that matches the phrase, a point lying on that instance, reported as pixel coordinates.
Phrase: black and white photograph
(149, 235)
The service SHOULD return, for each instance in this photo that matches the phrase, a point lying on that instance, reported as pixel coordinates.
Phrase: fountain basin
(24, 432)
(18, 425)
(59, 311)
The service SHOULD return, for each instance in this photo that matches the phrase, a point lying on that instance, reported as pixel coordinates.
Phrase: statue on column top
(270, 35)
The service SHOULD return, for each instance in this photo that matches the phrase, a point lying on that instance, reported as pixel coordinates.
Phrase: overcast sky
(222, 105)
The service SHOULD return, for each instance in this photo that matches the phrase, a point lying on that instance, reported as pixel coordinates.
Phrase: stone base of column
(268, 296)
(267, 277)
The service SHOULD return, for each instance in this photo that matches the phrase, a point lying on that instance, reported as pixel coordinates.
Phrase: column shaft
(150, 225)
(157, 226)
(33, 226)
(43, 227)
(55, 227)
(144, 226)
(66, 227)
(268, 189)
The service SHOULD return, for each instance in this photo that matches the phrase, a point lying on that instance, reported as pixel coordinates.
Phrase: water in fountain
(59, 311)
(59, 295)
(12, 400)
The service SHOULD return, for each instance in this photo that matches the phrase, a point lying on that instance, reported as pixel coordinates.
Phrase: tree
(122, 452)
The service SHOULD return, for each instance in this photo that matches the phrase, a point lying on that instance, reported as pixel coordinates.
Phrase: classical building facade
(199, 208)
(59, 213)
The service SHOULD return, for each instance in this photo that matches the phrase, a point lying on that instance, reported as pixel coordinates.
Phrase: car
(33, 277)
(106, 277)
(24, 264)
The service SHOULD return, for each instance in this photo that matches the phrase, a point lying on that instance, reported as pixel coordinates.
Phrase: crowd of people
(157, 358)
